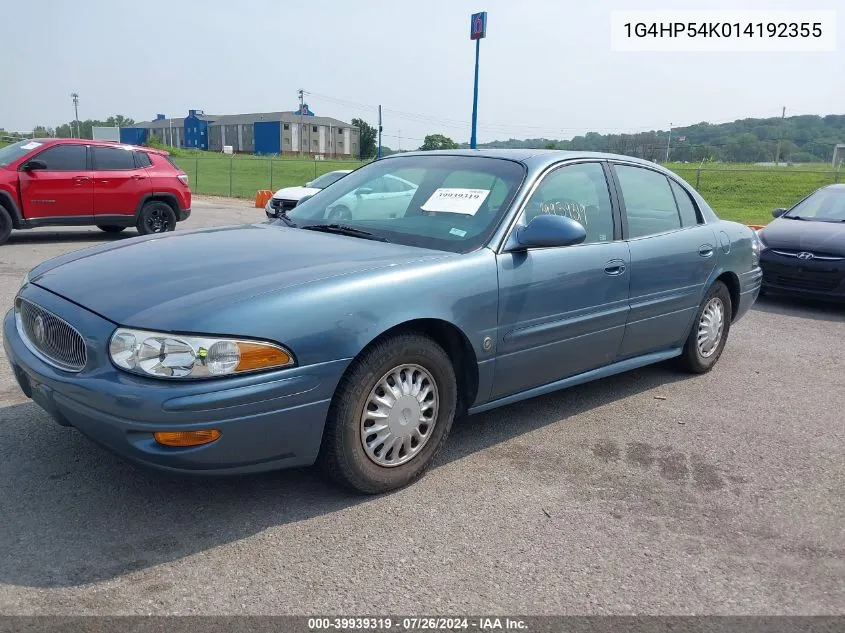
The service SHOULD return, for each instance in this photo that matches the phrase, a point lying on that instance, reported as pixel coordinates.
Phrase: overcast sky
(546, 65)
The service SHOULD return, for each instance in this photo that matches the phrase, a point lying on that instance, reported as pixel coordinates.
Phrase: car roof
(528, 156)
(85, 141)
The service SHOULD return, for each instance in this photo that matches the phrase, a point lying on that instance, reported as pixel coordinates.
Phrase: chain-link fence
(243, 176)
(742, 193)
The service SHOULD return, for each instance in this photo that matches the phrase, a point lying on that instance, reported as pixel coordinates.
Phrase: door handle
(614, 268)
(80, 180)
(705, 250)
(137, 177)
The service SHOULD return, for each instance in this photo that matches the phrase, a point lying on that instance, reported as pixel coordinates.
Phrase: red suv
(75, 182)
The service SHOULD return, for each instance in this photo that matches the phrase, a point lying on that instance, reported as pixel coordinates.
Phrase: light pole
(668, 142)
(477, 31)
(75, 98)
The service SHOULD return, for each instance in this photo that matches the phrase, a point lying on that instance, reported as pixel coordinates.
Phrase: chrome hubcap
(710, 327)
(399, 416)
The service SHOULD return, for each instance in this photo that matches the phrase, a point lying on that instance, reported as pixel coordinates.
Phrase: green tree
(437, 141)
(367, 136)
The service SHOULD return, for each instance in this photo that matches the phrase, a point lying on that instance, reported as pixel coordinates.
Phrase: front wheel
(709, 331)
(391, 413)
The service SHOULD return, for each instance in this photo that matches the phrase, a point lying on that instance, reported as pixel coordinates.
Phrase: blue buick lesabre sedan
(352, 329)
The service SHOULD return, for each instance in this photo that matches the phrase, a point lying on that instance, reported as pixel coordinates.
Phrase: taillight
(183, 178)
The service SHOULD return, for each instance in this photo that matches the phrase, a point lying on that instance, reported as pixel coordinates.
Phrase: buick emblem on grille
(804, 255)
(38, 330)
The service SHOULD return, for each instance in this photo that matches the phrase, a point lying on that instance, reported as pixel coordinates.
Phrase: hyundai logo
(38, 330)
(804, 255)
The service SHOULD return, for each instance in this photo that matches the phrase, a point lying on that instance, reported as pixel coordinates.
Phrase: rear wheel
(156, 217)
(391, 413)
(5, 225)
(709, 331)
(111, 228)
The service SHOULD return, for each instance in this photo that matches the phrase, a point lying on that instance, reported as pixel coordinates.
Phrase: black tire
(5, 225)
(342, 455)
(156, 217)
(111, 228)
(693, 359)
(340, 213)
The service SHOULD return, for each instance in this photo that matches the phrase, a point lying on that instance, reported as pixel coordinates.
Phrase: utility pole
(378, 153)
(668, 142)
(780, 137)
(301, 134)
(75, 98)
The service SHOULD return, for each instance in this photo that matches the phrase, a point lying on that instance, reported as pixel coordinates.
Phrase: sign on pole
(478, 26)
(477, 31)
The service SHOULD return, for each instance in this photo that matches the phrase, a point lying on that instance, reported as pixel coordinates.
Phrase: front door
(64, 191)
(673, 254)
(562, 310)
(119, 184)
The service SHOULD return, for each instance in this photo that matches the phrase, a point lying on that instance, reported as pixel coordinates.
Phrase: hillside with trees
(805, 139)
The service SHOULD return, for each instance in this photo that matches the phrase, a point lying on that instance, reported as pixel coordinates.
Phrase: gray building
(283, 133)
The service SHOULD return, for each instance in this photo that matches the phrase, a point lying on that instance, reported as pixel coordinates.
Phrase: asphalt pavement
(650, 492)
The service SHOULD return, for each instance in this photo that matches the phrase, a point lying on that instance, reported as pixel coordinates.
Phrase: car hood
(821, 237)
(295, 193)
(157, 281)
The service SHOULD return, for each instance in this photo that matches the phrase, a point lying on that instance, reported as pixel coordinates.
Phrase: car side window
(579, 192)
(112, 159)
(649, 202)
(142, 159)
(64, 158)
(686, 207)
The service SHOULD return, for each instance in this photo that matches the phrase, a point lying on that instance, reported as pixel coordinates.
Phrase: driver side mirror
(778, 212)
(363, 191)
(34, 165)
(548, 230)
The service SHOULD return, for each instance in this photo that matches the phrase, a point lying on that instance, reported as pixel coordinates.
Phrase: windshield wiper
(795, 217)
(341, 229)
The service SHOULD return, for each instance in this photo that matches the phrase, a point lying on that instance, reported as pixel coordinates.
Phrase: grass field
(748, 193)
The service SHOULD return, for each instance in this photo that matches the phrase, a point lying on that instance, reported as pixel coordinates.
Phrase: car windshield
(11, 153)
(825, 205)
(450, 203)
(326, 179)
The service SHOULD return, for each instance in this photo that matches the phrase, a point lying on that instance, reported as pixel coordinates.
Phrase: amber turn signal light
(256, 356)
(186, 438)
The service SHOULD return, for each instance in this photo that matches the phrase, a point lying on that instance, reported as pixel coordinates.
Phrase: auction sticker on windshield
(453, 200)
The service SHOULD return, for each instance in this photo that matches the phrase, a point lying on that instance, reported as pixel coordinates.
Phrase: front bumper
(816, 279)
(267, 421)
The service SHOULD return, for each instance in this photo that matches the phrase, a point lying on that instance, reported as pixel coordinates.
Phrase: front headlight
(24, 282)
(268, 207)
(756, 248)
(180, 356)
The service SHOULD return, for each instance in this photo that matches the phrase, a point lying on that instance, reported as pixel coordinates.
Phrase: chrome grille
(52, 339)
(278, 204)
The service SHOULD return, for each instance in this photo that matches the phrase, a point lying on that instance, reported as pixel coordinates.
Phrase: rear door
(562, 310)
(63, 192)
(119, 182)
(673, 254)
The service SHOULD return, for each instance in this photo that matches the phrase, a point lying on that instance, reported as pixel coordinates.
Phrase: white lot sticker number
(31, 145)
(464, 201)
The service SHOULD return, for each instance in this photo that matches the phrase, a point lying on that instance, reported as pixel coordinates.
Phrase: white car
(286, 199)
(385, 197)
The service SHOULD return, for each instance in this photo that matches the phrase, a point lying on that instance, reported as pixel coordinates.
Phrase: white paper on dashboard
(31, 145)
(454, 200)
